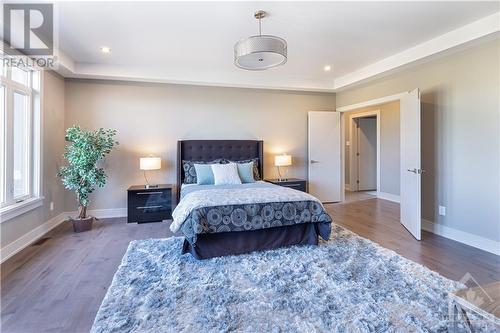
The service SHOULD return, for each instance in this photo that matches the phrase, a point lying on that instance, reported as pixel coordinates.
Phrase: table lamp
(149, 163)
(282, 160)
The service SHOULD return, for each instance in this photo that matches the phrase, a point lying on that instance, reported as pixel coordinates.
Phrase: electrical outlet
(347, 143)
(442, 210)
(52, 205)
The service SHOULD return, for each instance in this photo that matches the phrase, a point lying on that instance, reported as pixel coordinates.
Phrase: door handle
(416, 171)
(314, 161)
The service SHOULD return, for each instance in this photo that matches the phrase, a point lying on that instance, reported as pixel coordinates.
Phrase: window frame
(10, 206)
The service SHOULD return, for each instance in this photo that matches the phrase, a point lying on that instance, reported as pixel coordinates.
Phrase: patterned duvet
(213, 209)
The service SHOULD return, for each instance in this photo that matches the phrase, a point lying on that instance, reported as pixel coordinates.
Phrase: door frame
(368, 103)
(366, 114)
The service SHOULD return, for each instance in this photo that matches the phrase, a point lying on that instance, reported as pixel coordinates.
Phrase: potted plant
(82, 174)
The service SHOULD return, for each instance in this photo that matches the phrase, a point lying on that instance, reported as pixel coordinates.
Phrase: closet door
(324, 142)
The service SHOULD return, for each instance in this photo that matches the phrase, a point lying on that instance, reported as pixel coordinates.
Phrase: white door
(410, 163)
(325, 156)
(367, 153)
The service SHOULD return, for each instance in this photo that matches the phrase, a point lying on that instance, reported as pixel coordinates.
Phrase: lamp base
(150, 186)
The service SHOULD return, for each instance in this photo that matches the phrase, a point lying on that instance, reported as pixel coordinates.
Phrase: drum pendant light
(260, 52)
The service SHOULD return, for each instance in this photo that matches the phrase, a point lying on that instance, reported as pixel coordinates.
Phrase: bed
(219, 220)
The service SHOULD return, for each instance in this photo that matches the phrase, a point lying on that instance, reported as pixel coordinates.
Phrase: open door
(410, 163)
(324, 132)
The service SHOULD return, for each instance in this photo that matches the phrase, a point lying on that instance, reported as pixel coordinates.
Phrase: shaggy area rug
(348, 284)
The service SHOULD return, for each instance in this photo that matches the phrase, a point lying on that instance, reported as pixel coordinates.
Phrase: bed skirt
(230, 243)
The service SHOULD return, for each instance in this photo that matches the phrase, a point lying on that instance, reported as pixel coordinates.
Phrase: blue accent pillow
(256, 173)
(190, 171)
(204, 174)
(245, 171)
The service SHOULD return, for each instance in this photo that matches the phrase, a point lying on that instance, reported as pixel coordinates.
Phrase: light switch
(442, 210)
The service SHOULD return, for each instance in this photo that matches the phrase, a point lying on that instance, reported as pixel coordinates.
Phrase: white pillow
(226, 174)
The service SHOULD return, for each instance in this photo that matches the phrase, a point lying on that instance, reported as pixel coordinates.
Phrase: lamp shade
(150, 163)
(260, 52)
(282, 160)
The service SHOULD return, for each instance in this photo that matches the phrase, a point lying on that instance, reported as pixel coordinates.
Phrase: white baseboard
(108, 213)
(479, 242)
(27, 239)
(476, 241)
(102, 213)
(388, 196)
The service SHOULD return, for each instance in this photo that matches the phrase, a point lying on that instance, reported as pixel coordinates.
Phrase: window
(19, 141)
(20, 76)
(20, 145)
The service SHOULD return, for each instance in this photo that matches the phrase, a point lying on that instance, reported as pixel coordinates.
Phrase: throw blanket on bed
(213, 209)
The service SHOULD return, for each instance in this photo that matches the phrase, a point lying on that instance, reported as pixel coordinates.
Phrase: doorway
(409, 171)
(366, 153)
(362, 163)
(365, 147)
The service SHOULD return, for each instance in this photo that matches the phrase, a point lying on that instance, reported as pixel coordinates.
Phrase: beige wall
(150, 118)
(389, 145)
(53, 148)
(460, 134)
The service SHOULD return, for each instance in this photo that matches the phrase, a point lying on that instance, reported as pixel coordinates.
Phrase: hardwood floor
(57, 284)
(378, 220)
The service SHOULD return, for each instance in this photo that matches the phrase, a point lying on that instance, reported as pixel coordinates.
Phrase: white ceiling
(192, 42)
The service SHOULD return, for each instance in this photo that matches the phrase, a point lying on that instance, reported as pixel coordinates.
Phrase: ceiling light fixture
(327, 68)
(260, 52)
(105, 50)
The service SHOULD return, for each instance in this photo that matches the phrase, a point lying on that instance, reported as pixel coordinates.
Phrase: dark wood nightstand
(149, 204)
(295, 183)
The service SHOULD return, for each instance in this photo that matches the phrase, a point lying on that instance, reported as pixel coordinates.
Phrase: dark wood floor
(57, 284)
(378, 220)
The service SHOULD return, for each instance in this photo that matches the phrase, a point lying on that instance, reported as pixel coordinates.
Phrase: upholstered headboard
(209, 150)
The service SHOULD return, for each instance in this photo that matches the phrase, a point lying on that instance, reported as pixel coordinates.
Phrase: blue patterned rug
(348, 284)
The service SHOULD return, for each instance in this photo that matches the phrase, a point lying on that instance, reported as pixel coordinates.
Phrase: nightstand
(295, 183)
(149, 204)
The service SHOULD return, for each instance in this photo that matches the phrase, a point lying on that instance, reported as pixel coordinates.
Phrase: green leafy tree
(84, 151)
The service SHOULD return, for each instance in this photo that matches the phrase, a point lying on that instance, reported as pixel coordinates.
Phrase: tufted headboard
(209, 150)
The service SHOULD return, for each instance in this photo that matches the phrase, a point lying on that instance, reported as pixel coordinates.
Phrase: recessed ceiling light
(327, 68)
(105, 50)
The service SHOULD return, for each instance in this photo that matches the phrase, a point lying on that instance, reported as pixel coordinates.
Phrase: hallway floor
(352, 196)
